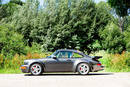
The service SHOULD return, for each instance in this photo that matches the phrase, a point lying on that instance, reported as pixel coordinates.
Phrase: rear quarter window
(76, 55)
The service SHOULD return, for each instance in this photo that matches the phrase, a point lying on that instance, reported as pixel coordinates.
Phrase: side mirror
(54, 57)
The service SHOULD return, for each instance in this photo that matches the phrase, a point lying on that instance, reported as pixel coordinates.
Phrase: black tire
(36, 69)
(83, 69)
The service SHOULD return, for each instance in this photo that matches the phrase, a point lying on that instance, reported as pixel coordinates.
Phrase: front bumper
(97, 68)
(24, 68)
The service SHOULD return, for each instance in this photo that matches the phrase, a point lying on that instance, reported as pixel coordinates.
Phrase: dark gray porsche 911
(64, 60)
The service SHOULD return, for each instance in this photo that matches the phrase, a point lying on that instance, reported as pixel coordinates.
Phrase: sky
(41, 1)
(99, 0)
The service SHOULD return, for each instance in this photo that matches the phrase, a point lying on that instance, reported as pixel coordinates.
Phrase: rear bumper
(24, 68)
(97, 68)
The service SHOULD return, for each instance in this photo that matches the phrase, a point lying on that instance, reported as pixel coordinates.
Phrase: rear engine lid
(95, 58)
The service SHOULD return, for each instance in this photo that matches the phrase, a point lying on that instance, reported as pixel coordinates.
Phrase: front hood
(32, 60)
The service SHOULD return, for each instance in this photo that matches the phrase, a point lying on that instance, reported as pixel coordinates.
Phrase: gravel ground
(66, 80)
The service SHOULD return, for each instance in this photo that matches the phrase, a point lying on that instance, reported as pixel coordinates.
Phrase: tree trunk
(121, 23)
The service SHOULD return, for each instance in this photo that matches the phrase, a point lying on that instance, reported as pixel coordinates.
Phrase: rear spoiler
(96, 57)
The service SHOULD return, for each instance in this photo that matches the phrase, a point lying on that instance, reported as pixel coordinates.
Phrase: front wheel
(36, 69)
(83, 69)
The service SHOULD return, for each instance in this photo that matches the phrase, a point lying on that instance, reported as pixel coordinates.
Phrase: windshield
(52, 55)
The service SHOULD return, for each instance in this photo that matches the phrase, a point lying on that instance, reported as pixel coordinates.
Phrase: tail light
(99, 64)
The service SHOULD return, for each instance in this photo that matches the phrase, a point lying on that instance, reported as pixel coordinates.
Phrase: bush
(127, 39)
(35, 48)
(17, 60)
(112, 39)
(73, 25)
(10, 41)
(115, 62)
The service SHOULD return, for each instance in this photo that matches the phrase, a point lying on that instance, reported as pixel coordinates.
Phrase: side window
(76, 55)
(58, 55)
(64, 54)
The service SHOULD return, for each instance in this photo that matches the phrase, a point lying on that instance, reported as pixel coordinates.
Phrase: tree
(127, 35)
(7, 10)
(113, 40)
(10, 41)
(0, 2)
(26, 19)
(73, 24)
(19, 2)
(121, 8)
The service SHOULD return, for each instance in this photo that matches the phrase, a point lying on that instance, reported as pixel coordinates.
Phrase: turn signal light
(23, 67)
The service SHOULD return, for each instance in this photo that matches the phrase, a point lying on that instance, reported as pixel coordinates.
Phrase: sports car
(63, 60)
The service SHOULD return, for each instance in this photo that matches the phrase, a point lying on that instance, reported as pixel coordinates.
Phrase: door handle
(68, 60)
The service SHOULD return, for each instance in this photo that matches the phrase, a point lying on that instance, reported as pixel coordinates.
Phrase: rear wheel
(36, 69)
(83, 69)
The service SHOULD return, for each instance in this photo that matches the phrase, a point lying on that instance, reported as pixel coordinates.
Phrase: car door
(62, 62)
(65, 61)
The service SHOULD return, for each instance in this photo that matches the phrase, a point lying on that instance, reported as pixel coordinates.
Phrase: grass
(115, 62)
(12, 65)
(10, 71)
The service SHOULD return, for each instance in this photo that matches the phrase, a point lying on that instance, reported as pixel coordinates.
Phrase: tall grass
(115, 62)
(14, 63)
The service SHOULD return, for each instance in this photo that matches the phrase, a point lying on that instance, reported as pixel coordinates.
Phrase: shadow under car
(70, 74)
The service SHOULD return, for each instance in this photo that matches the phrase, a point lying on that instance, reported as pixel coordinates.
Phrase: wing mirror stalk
(54, 57)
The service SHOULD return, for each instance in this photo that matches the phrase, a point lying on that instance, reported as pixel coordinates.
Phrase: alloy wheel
(83, 68)
(36, 69)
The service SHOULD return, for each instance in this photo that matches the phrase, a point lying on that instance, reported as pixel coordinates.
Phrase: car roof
(77, 51)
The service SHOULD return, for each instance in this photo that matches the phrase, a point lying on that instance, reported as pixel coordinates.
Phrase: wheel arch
(90, 65)
(43, 66)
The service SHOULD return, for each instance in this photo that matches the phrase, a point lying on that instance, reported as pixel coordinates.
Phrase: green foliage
(7, 10)
(121, 9)
(35, 48)
(128, 60)
(73, 24)
(0, 2)
(10, 71)
(96, 46)
(17, 60)
(121, 6)
(10, 41)
(19, 2)
(127, 39)
(112, 39)
(61, 24)
(115, 62)
(25, 20)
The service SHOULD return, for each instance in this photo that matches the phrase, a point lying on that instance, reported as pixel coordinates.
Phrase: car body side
(66, 65)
